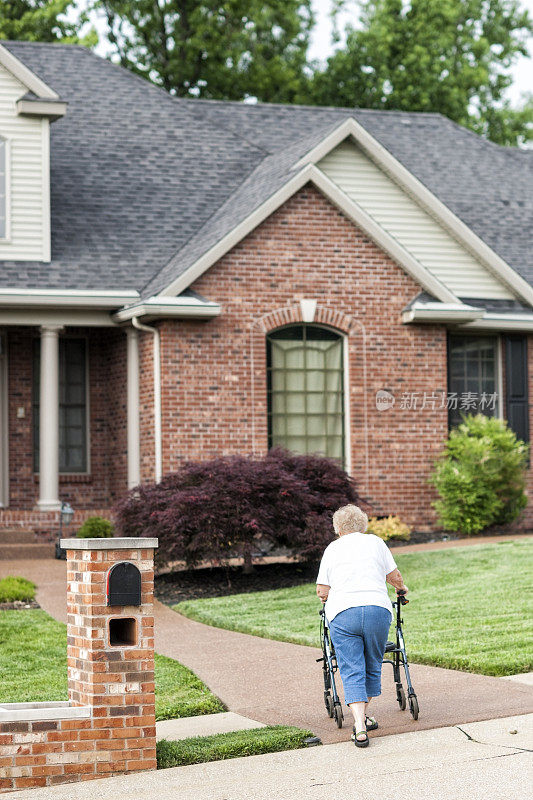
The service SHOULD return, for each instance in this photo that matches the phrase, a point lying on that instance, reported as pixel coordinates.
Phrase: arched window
(305, 382)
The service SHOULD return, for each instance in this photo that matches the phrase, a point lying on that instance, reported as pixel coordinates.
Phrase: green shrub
(389, 528)
(14, 588)
(480, 476)
(96, 528)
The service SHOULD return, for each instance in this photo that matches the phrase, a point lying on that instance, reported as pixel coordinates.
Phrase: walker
(398, 658)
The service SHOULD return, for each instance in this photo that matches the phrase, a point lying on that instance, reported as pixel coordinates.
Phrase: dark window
(472, 376)
(72, 405)
(305, 377)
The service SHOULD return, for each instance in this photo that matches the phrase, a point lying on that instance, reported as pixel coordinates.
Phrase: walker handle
(401, 597)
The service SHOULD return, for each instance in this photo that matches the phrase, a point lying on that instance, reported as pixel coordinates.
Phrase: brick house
(184, 278)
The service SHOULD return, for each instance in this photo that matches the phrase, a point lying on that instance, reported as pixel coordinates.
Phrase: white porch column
(134, 447)
(49, 420)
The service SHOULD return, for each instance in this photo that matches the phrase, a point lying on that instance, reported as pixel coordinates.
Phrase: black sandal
(360, 742)
(371, 724)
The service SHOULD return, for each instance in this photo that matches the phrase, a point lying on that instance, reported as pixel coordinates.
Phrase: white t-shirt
(355, 566)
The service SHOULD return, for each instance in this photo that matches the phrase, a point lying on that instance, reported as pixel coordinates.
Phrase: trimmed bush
(231, 506)
(15, 588)
(480, 476)
(96, 528)
(389, 528)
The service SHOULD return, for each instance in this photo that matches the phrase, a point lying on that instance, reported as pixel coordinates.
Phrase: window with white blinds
(305, 374)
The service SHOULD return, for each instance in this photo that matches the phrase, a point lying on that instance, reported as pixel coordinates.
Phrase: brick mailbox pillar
(110, 645)
(107, 726)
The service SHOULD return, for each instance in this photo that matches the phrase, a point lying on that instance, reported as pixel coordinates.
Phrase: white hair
(350, 519)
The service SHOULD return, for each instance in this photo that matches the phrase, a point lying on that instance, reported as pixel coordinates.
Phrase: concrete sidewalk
(468, 762)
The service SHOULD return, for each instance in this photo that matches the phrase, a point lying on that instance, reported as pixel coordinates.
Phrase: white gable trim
(311, 174)
(407, 181)
(25, 75)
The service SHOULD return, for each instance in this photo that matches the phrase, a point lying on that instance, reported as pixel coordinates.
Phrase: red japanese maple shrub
(230, 506)
(328, 488)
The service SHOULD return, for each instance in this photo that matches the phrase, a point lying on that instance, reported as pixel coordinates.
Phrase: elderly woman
(352, 583)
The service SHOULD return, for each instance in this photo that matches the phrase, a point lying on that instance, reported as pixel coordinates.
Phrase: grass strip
(33, 667)
(15, 588)
(200, 749)
(469, 609)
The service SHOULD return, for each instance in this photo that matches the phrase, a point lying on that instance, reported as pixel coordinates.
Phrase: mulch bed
(219, 581)
(19, 605)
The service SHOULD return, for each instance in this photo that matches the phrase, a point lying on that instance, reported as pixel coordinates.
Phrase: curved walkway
(280, 683)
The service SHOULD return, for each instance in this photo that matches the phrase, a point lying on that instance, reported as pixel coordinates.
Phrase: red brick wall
(213, 372)
(308, 249)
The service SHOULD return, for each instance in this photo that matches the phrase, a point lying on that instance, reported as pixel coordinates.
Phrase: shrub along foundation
(107, 726)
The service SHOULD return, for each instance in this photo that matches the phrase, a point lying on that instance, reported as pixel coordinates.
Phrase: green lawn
(33, 666)
(200, 749)
(469, 609)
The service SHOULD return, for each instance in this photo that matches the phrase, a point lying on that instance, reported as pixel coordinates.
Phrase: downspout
(157, 394)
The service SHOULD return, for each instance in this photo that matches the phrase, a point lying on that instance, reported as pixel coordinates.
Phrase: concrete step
(17, 536)
(206, 725)
(16, 552)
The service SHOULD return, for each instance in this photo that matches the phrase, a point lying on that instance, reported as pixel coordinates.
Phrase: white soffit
(162, 307)
(66, 298)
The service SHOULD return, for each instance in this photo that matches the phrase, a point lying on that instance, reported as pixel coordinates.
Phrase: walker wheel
(400, 697)
(413, 706)
(337, 713)
(328, 699)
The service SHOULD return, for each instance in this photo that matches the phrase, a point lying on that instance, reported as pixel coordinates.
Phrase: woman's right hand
(404, 590)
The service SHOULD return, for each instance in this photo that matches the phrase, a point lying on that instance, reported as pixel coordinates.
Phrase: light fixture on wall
(66, 515)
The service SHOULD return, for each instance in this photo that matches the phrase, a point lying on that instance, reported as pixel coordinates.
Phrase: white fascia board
(311, 174)
(66, 298)
(442, 312)
(169, 307)
(43, 316)
(503, 322)
(25, 75)
(407, 181)
(42, 108)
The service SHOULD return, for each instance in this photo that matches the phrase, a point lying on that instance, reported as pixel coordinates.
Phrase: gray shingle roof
(144, 183)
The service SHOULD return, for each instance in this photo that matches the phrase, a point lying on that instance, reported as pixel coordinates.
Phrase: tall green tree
(207, 48)
(44, 21)
(448, 56)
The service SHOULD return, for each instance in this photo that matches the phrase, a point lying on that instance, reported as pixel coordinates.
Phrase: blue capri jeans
(359, 636)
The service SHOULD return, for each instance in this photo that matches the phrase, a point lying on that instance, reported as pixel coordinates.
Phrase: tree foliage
(448, 56)
(480, 476)
(203, 48)
(44, 21)
(231, 506)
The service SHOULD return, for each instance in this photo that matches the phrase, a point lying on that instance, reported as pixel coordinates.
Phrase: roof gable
(419, 232)
(144, 184)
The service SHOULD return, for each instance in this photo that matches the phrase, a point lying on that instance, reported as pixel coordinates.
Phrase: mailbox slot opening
(122, 631)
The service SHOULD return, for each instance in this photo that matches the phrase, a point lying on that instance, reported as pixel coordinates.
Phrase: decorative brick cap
(129, 543)
(59, 709)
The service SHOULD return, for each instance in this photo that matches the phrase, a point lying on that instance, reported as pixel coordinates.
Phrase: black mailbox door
(124, 585)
